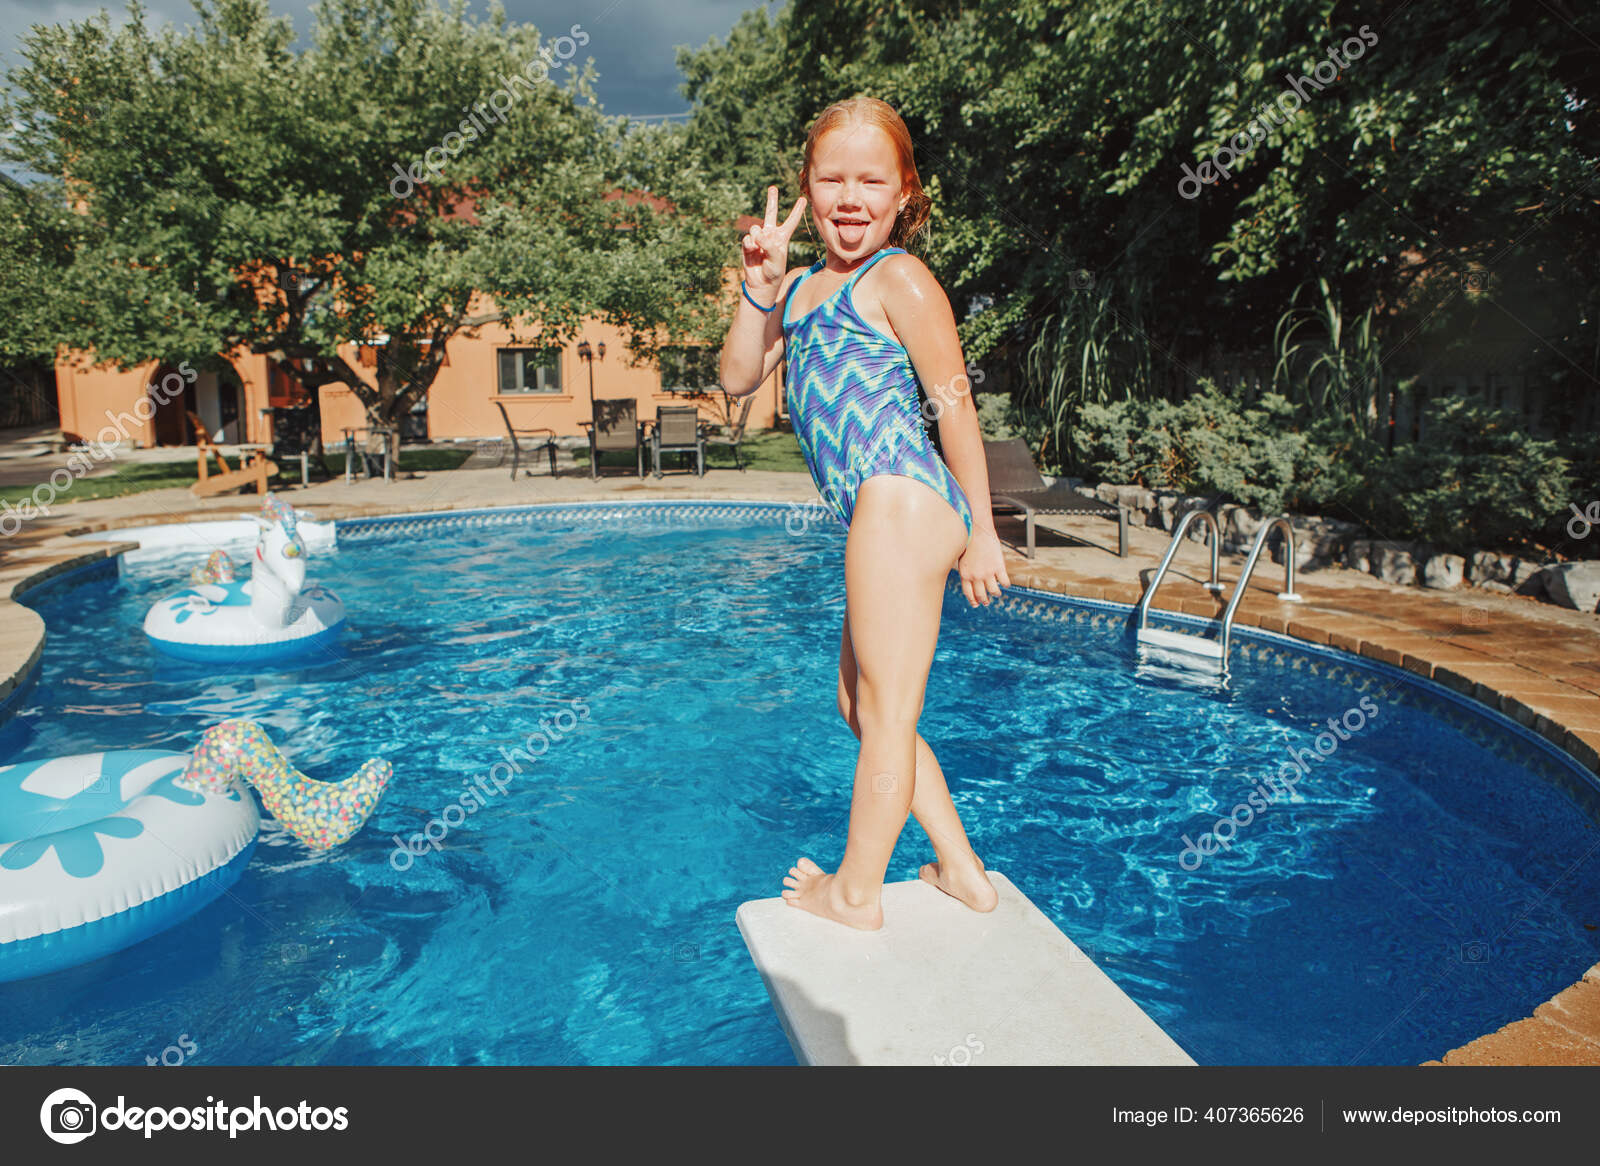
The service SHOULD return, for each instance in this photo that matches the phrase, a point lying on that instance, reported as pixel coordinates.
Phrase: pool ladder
(1213, 653)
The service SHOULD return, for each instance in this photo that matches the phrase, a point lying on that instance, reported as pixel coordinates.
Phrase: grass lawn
(766, 450)
(137, 477)
(133, 478)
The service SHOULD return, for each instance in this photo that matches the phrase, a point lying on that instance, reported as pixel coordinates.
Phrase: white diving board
(942, 984)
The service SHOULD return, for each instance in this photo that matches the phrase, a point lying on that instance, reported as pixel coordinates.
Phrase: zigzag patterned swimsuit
(852, 393)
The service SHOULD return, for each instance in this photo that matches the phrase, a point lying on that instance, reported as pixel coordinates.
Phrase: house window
(690, 369)
(530, 370)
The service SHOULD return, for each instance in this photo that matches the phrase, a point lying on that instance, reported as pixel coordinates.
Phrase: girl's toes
(809, 867)
(792, 882)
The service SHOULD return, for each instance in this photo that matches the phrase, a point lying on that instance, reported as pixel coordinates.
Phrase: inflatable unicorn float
(101, 850)
(269, 617)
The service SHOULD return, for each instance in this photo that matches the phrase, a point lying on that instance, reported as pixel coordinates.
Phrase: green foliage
(1210, 443)
(191, 168)
(1336, 372)
(1001, 419)
(1475, 481)
(1441, 188)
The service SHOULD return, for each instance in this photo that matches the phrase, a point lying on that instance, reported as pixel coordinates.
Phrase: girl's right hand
(766, 247)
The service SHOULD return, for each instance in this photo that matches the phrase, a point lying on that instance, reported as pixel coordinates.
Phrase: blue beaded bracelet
(751, 298)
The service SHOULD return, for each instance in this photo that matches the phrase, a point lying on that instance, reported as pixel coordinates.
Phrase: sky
(632, 41)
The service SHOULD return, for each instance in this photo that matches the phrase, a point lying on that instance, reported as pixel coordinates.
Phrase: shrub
(1211, 443)
(1477, 481)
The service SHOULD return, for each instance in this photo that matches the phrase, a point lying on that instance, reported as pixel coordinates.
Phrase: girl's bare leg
(902, 543)
(957, 871)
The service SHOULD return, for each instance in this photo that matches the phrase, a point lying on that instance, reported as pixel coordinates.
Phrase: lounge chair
(254, 466)
(734, 438)
(615, 426)
(678, 430)
(1015, 485)
(535, 445)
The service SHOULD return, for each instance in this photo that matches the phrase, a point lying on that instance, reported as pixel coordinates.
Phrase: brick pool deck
(1534, 662)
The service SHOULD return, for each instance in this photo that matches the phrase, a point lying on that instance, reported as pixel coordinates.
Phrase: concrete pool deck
(1537, 663)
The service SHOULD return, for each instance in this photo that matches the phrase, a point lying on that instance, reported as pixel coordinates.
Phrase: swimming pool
(1434, 882)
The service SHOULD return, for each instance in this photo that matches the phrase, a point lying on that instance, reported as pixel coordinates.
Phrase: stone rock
(1197, 530)
(1137, 498)
(1443, 572)
(1358, 555)
(1161, 512)
(1527, 571)
(1242, 525)
(1319, 541)
(1395, 562)
(1574, 585)
(1491, 566)
(1496, 586)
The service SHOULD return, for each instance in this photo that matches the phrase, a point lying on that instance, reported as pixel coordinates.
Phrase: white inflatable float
(101, 850)
(271, 616)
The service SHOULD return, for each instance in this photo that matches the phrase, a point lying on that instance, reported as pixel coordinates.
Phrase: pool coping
(1563, 1030)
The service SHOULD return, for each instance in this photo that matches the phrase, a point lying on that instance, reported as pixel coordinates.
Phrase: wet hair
(911, 223)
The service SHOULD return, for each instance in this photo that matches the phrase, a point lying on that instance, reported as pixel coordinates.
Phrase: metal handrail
(1287, 595)
(1208, 519)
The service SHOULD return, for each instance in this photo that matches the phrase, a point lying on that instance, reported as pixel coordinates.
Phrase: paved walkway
(1538, 663)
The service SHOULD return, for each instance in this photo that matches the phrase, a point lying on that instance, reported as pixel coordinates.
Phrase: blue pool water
(1432, 883)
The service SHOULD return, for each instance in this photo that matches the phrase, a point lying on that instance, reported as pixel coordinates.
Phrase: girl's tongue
(851, 233)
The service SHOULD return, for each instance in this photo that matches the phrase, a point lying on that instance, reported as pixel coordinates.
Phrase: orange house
(540, 388)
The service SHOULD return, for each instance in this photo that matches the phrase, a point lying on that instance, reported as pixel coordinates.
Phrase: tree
(1445, 177)
(411, 175)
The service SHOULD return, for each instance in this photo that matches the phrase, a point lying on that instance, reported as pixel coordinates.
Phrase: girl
(860, 330)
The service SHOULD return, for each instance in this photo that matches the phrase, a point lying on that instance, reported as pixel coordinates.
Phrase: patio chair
(678, 430)
(372, 458)
(615, 426)
(734, 438)
(1015, 485)
(534, 447)
(254, 466)
(294, 438)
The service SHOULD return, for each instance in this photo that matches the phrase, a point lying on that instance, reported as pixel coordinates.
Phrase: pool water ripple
(1432, 884)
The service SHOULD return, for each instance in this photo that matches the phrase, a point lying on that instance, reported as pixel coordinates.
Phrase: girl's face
(855, 189)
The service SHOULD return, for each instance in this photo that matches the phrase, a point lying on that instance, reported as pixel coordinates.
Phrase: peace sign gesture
(766, 248)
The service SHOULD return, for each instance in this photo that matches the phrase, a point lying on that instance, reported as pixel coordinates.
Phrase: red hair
(910, 223)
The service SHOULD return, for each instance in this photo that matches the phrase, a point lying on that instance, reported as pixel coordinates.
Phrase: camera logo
(67, 1116)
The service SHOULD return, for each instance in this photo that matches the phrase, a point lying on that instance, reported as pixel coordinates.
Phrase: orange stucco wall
(461, 402)
(99, 402)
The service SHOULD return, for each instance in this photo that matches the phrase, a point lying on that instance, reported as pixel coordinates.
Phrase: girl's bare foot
(963, 880)
(812, 889)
